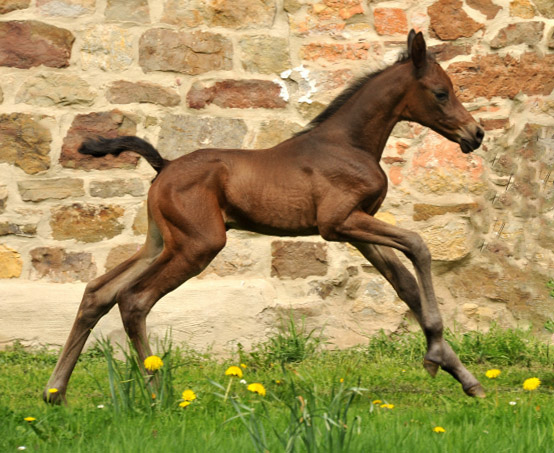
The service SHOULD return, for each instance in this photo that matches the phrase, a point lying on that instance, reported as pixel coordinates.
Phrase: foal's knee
(418, 253)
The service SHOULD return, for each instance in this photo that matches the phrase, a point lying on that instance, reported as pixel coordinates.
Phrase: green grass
(316, 400)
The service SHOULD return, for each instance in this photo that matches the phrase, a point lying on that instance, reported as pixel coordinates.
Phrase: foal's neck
(374, 110)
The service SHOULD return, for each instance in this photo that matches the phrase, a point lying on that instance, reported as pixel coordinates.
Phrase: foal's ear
(417, 49)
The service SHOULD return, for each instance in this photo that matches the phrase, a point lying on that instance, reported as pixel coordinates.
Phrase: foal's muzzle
(471, 138)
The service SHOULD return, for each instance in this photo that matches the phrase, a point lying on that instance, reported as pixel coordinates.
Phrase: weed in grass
(291, 343)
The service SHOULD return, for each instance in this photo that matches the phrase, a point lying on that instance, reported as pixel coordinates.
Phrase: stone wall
(188, 74)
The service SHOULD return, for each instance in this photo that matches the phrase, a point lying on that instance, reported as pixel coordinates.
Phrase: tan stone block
(448, 240)
(187, 52)
(11, 263)
(25, 142)
(86, 223)
(128, 11)
(390, 21)
(123, 92)
(274, 132)
(522, 8)
(107, 47)
(66, 8)
(298, 259)
(55, 89)
(44, 189)
(7, 6)
(119, 254)
(265, 54)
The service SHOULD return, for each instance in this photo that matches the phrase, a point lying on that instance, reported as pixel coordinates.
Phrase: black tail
(104, 146)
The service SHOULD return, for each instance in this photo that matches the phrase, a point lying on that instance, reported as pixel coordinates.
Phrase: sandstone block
(93, 125)
(449, 21)
(492, 75)
(181, 134)
(486, 7)
(529, 33)
(18, 229)
(140, 224)
(107, 47)
(241, 14)
(337, 51)
(545, 7)
(390, 21)
(25, 142)
(3, 198)
(329, 17)
(60, 266)
(238, 94)
(522, 8)
(265, 54)
(120, 254)
(86, 223)
(55, 89)
(123, 92)
(298, 259)
(56, 189)
(187, 52)
(128, 11)
(424, 211)
(11, 263)
(66, 8)
(188, 13)
(117, 188)
(448, 240)
(439, 167)
(8, 6)
(273, 132)
(447, 51)
(550, 40)
(25, 44)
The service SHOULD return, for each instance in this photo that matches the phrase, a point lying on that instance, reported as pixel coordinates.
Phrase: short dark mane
(348, 92)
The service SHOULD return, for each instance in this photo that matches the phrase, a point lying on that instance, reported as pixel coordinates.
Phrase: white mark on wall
(307, 86)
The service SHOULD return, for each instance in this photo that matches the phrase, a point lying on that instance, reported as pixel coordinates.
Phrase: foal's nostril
(480, 134)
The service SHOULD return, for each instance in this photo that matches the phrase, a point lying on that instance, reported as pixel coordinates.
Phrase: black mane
(348, 92)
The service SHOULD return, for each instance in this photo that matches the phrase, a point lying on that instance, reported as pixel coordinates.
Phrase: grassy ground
(374, 398)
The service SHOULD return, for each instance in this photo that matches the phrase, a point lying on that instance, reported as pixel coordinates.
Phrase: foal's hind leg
(99, 297)
(185, 255)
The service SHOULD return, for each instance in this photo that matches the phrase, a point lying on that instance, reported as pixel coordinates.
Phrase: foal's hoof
(475, 391)
(55, 399)
(431, 367)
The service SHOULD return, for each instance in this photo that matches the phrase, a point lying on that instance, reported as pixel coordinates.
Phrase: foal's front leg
(369, 235)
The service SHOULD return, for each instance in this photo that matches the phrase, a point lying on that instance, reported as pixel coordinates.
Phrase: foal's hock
(325, 180)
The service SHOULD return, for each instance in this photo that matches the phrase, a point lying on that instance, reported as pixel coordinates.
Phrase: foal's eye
(441, 96)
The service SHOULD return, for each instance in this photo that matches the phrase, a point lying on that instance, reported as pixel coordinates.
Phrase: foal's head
(431, 100)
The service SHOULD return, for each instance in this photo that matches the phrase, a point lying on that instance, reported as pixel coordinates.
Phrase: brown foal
(326, 180)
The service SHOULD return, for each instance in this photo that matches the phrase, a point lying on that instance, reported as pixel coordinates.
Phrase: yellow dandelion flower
(153, 396)
(189, 395)
(234, 371)
(341, 380)
(492, 374)
(258, 388)
(29, 419)
(377, 402)
(387, 406)
(184, 403)
(52, 390)
(531, 384)
(242, 365)
(439, 429)
(153, 363)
